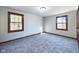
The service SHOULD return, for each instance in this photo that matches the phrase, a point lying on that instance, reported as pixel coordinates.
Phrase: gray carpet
(41, 43)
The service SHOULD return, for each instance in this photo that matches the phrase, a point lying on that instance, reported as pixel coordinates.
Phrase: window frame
(9, 21)
(66, 22)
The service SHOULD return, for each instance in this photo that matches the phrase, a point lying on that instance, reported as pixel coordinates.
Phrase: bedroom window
(62, 22)
(15, 22)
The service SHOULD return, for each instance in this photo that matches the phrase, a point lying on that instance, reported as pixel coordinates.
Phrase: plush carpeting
(41, 43)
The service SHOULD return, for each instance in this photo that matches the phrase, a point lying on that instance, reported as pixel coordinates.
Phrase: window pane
(16, 18)
(12, 26)
(64, 20)
(59, 20)
(12, 17)
(16, 26)
(59, 26)
(20, 19)
(64, 26)
(20, 26)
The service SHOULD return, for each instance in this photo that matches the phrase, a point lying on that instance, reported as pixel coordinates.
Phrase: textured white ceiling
(51, 10)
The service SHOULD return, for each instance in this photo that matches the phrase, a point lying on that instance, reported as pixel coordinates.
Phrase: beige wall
(32, 24)
(50, 24)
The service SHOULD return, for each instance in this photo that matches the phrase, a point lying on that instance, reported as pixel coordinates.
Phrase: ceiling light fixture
(43, 8)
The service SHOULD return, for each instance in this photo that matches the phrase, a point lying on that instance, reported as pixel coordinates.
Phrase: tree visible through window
(62, 22)
(15, 22)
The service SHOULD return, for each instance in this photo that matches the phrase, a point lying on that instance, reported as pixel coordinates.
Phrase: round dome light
(43, 8)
